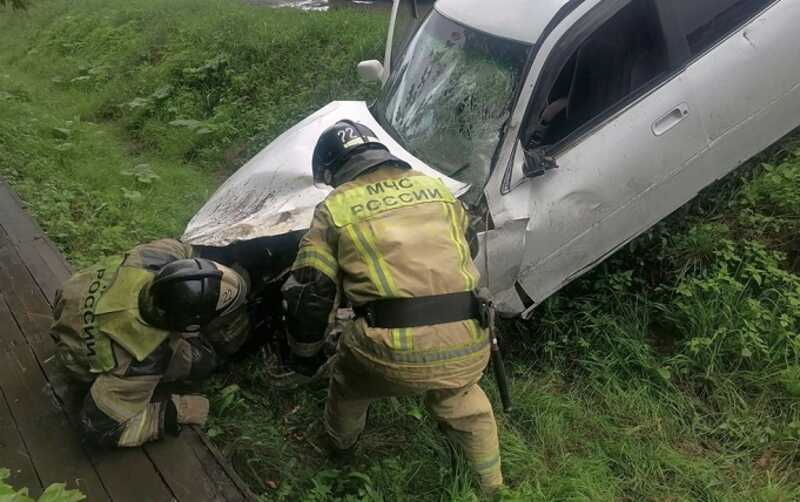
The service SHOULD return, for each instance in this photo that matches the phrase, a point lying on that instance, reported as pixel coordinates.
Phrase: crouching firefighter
(129, 323)
(393, 242)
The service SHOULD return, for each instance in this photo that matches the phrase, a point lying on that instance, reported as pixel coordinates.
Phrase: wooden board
(49, 268)
(196, 476)
(39, 405)
(53, 446)
(14, 454)
(127, 475)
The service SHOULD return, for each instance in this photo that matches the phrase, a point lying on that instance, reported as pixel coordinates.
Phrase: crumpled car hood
(273, 194)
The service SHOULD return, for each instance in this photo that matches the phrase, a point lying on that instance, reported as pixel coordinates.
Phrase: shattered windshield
(448, 101)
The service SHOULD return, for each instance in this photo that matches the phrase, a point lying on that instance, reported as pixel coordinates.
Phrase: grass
(670, 373)
(118, 120)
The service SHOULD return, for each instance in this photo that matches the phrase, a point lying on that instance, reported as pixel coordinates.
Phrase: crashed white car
(568, 126)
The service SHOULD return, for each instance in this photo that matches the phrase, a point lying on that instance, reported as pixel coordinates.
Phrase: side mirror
(537, 162)
(371, 71)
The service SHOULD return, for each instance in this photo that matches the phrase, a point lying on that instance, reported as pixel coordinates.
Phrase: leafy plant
(54, 493)
(742, 314)
(142, 173)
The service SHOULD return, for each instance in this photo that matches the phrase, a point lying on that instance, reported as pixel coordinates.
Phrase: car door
(629, 124)
(743, 66)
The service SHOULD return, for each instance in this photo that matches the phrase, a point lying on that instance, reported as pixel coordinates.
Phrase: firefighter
(154, 315)
(393, 242)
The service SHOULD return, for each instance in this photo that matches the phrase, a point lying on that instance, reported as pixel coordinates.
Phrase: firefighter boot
(318, 438)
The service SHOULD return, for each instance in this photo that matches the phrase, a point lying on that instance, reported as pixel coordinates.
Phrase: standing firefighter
(393, 242)
(154, 315)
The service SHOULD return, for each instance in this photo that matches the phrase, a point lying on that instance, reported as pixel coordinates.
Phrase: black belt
(420, 311)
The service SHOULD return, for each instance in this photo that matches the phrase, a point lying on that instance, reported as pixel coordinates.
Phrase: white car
(568, 126)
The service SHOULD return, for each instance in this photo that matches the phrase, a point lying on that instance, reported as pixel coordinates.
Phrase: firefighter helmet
(339, 144)
(190, 293)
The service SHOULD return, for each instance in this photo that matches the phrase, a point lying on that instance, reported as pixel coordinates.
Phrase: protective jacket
(394, 233)
(391, 233)
(103, 341)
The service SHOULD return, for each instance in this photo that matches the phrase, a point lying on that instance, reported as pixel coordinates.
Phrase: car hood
(274, 194)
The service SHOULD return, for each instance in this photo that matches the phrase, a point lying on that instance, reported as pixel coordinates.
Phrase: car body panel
(614, 182)
(601, 197)
(274, 193)
(622, 178)
(499, 261)
(502, 17)
(765, 93)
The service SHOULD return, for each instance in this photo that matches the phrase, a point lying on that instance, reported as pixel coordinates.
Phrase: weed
(54, 493)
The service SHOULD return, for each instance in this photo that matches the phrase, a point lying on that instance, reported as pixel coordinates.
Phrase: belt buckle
(484, 314)
(369, 316)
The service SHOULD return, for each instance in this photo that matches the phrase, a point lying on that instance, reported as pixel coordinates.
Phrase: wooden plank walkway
(39, 442)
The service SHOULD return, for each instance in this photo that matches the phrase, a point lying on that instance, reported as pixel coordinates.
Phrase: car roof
(522, 20)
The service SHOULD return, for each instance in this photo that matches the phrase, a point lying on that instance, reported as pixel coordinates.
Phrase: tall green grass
(117, 119)
(669, 373)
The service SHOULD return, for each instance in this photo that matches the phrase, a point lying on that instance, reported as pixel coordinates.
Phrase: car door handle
(671, 119)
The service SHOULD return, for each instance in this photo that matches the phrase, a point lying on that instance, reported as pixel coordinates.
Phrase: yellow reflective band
(371, 264)
(365, 242)
(438, 357)
(319, 260)
(364, 202)
(401, 339)
(383, 268)
(456, 235)
(472, 327)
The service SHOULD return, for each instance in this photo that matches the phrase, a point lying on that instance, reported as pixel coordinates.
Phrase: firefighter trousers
(464, 413)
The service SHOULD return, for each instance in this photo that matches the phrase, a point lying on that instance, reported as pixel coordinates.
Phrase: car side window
(606, 68)
(704, 23)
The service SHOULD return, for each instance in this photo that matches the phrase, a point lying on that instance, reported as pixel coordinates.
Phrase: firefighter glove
(192, 410)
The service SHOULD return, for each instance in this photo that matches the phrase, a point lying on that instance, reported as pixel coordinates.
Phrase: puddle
(321, 5)
(304, 4)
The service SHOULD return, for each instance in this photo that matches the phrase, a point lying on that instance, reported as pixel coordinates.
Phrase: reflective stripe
(474, 331)
(383, 267)
(440, 356)
(363, 202)
(488, 465)
(132, 432)
(402, 338)
(317, 259)
(371, 267)
(456, 235)
(354, 142)
(381, 277)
